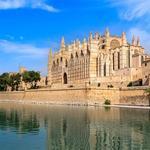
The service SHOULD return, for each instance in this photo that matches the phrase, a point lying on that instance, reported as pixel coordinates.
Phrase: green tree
(4, 81)
(31, 77)
(14, 81)
(7, 80)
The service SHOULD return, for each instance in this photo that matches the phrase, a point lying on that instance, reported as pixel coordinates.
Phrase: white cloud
(34, 4)
(144, 37)
(22, 50)
(131, 9)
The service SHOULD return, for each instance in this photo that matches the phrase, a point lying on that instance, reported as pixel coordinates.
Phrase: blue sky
(28, 28)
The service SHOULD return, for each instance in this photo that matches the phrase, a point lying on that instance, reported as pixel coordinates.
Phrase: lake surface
(35, 127)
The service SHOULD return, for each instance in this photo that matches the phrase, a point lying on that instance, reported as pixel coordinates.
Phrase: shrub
(107, 102)
(147, 91)
(130, 84)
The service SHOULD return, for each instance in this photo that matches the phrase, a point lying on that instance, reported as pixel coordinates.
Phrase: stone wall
(134, 96)
(79, 96)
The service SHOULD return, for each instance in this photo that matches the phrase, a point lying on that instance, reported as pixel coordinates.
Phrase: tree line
(14, 80)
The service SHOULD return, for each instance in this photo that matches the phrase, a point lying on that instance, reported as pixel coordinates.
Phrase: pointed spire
(84, 40)
(124, 39)
(138, 42)
(62, 44)
(50, 53)
(96, 36)
(63, 41)
(133, 40)
(77, 43)
(91, 36)
(74, 43)
(50, 57)
(107, 33)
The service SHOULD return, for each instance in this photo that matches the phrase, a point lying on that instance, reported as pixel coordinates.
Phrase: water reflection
(18, 122)
(75, 128)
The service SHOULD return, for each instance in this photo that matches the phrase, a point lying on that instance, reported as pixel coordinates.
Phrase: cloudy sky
(28, 28)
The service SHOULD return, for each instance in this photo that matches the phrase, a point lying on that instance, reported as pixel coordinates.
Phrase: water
(34, 127)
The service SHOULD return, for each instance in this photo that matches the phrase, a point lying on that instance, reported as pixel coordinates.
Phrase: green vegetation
(4, 81)
(10, 80)
(13, 81)
(18, 121)
(147, 91)
(107, 102)
(32, 78)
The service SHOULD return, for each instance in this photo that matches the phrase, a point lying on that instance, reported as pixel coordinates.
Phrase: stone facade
(146, 72)
(100, 61)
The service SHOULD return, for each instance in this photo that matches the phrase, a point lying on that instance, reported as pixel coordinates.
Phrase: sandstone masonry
(100, 60)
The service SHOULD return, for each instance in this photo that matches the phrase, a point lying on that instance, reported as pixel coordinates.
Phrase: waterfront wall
(134, 96)
(79, 96)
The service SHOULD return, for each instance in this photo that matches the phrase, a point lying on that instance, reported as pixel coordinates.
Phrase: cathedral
(100, 60)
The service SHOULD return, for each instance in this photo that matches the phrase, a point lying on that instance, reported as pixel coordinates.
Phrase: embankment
(79, 96)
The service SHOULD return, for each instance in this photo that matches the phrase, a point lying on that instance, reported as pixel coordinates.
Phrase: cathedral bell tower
(93, 47)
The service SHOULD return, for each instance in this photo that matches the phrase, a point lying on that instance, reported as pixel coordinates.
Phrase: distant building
(22, 70)
(101, 60)
(24, 86)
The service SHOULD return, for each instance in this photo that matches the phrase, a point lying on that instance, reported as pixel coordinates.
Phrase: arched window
(54, 63)
(65, 78)
(103, 44)
(61, 59)
(88, 52)
(57, 61)
(113, 61)
(76, 55)
(71, 56)
(82, 53)
(104, 69)
(66, 63)
(118, 60)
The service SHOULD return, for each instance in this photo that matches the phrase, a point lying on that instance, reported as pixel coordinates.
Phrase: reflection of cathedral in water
(75, 128)
(89, 131)
(69, 131)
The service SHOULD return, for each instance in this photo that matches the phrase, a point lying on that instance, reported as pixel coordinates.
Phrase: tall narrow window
(71, 56)
(82, 53)
(61, 59)
(142, 59)
(57, 61)
(118, 60)
(104, 69)
(113, 61)
(76, 55)
(66, 63)
(97, 67)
